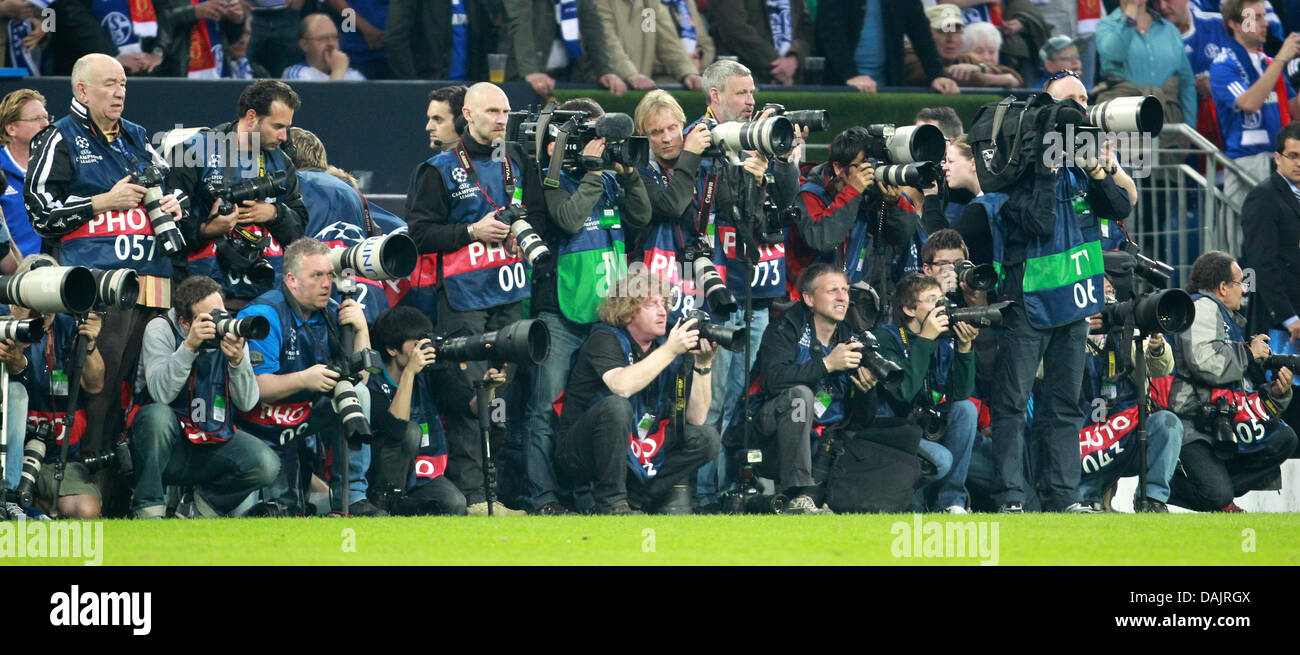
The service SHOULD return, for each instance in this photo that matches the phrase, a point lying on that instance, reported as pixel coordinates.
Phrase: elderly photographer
(1218, 386)
(186, 436)
(299, 368)
(617, 427)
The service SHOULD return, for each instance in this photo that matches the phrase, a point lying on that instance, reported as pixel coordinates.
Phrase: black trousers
(464, 446)
(1205, 483)
(595, 450)
(119, 343)
(392, 458)
(782, 432)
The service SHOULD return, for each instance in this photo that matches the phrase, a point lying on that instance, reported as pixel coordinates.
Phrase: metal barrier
(1181, 211)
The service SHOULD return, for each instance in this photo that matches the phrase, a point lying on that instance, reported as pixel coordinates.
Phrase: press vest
(588, 262)
(203, 403)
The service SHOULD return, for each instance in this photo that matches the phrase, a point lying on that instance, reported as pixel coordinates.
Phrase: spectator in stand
(1204, 35)
(204, 29)
(440, 39)
(693, 31)
(638, 54)
(863, 44)
(1060, 53)
(239, 66)
(969, 54)
(275, 26)
(323, 59)
(82, 30)
(1020, 24)
(564, 39)
(1251, 95)
(22, 115)
(1146, 51)
(1078, 21)
(25, 27)
(362, 31)
(771, 37)
(944, 118)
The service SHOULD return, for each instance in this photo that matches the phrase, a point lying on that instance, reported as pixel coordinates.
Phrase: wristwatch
(704, 371)
(470, 230)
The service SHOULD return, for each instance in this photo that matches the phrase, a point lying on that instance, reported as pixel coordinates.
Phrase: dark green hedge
(847, 109)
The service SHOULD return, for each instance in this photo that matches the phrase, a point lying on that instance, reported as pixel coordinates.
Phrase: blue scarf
(239, 69)
(459, 40)
(685, 28)
(778, 16)
(566, 15)
(18, 30)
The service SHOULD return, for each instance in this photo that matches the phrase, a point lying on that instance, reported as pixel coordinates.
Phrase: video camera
(816, 120)
(164, 227)
(556, 138)
(905, 156)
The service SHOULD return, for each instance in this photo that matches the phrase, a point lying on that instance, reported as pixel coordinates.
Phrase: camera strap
(506, 174)
(706, 202)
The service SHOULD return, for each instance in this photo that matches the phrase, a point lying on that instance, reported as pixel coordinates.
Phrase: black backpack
(1007, 137)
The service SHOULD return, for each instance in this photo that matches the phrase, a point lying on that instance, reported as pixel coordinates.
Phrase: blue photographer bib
(202, 404)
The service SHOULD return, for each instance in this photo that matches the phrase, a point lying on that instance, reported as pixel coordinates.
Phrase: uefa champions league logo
(83, 143)
(341, 231)
(458, 174)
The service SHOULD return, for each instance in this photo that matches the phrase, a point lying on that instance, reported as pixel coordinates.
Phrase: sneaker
(621, 509)
(1011, 508)
(551, 509)
(365, 508)
(1231, 507)
(1151, 505)
(481, 509)
(14, 512)
(1080, 508)
(802, 504)
(33, 513)
(956, 509)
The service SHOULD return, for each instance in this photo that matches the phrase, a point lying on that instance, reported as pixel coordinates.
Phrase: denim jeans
(1057, 418)
(15, 410)
(1164, 441)
(728, 392)
(948, 487)
(222, 473)
(549, 379)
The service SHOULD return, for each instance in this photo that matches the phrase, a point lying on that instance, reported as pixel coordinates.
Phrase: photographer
(790, 366)
(456, 207)
(1052, 272)
(187, 435)
(617, 422)
(840, 212)
(938, 380)
(412, 457)
(244, 149)
(82, 200)
(1214, 361)
(300, 363)
(591, 215)
(42, 368)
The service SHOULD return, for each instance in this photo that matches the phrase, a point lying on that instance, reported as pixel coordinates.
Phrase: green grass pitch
(1237, 539)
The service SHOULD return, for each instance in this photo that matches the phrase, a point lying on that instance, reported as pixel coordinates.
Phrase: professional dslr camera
(884, 370)
(905, 156)
(253, 327)
(772, 136)
(241, 249)
(1159, 310)
(726, 336)
(699, 255)
(816, 120)
(567, 132)
(164, 228)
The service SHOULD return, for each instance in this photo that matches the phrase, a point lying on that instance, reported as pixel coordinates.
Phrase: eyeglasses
(1236, 282)
(42, 117)
(1065, 73)
(945, 262)
(1293, 156)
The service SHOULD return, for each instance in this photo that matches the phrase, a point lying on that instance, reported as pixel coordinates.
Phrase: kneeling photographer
(805, 365)
(599, 205)
(44, 367)
(309, 387)
(938, 380)
(1233, 440)
(197, 373)
(618, 428)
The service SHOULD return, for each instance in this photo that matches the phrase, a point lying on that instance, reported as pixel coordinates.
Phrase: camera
(775, 220)
(1275, 362)
(977, 278)
(569, 131)
(258, 188)
(39, 440)
(1215, 419)
(772, 136)
(931, 420)
(164, 227)
(253, 327)
(536, 253)
(27, 330)
(726, 336)
(979, 317)
(522, 342)
(51, 289)
(915, 174)
(884, 370)
(119, 456)
(700, 256)
(816, 120)
(1166, 311)
(1131, 114)
(347, 406)
(890, 144)
(753, 503)
(381, 258)
(115, 289)
(241, 251)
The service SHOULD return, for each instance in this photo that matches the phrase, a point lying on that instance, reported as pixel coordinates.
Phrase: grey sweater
(167, 365)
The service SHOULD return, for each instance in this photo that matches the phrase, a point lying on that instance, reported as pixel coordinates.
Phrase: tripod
(482, 393)
(1138, 365)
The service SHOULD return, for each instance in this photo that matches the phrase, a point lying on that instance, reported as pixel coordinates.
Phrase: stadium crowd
(880, 335)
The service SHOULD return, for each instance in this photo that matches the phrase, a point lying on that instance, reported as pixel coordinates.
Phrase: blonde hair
(11, 109)
(963, 147)
(621, 304)
(311, 152)
(653, 103)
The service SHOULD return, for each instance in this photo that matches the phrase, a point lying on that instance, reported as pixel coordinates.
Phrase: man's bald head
(99, 82)
(486, 111)
(1068, 87)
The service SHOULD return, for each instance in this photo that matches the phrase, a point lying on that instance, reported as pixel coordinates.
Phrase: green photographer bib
(590, 261)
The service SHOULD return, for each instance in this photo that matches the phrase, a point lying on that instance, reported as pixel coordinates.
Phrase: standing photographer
(591, 215)
(462, 205)
(938, 380)
(186, 436)
(224, 246)
(82, 199)
(42, 368)
(300, 367)
(617, 424)
(1050, 252)
(1233, 441)
(808, 348)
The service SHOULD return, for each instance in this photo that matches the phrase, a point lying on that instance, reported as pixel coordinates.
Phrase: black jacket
(778, 370)
(418, 39)
(839, 24)
(1270, 217)
(79, 33)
